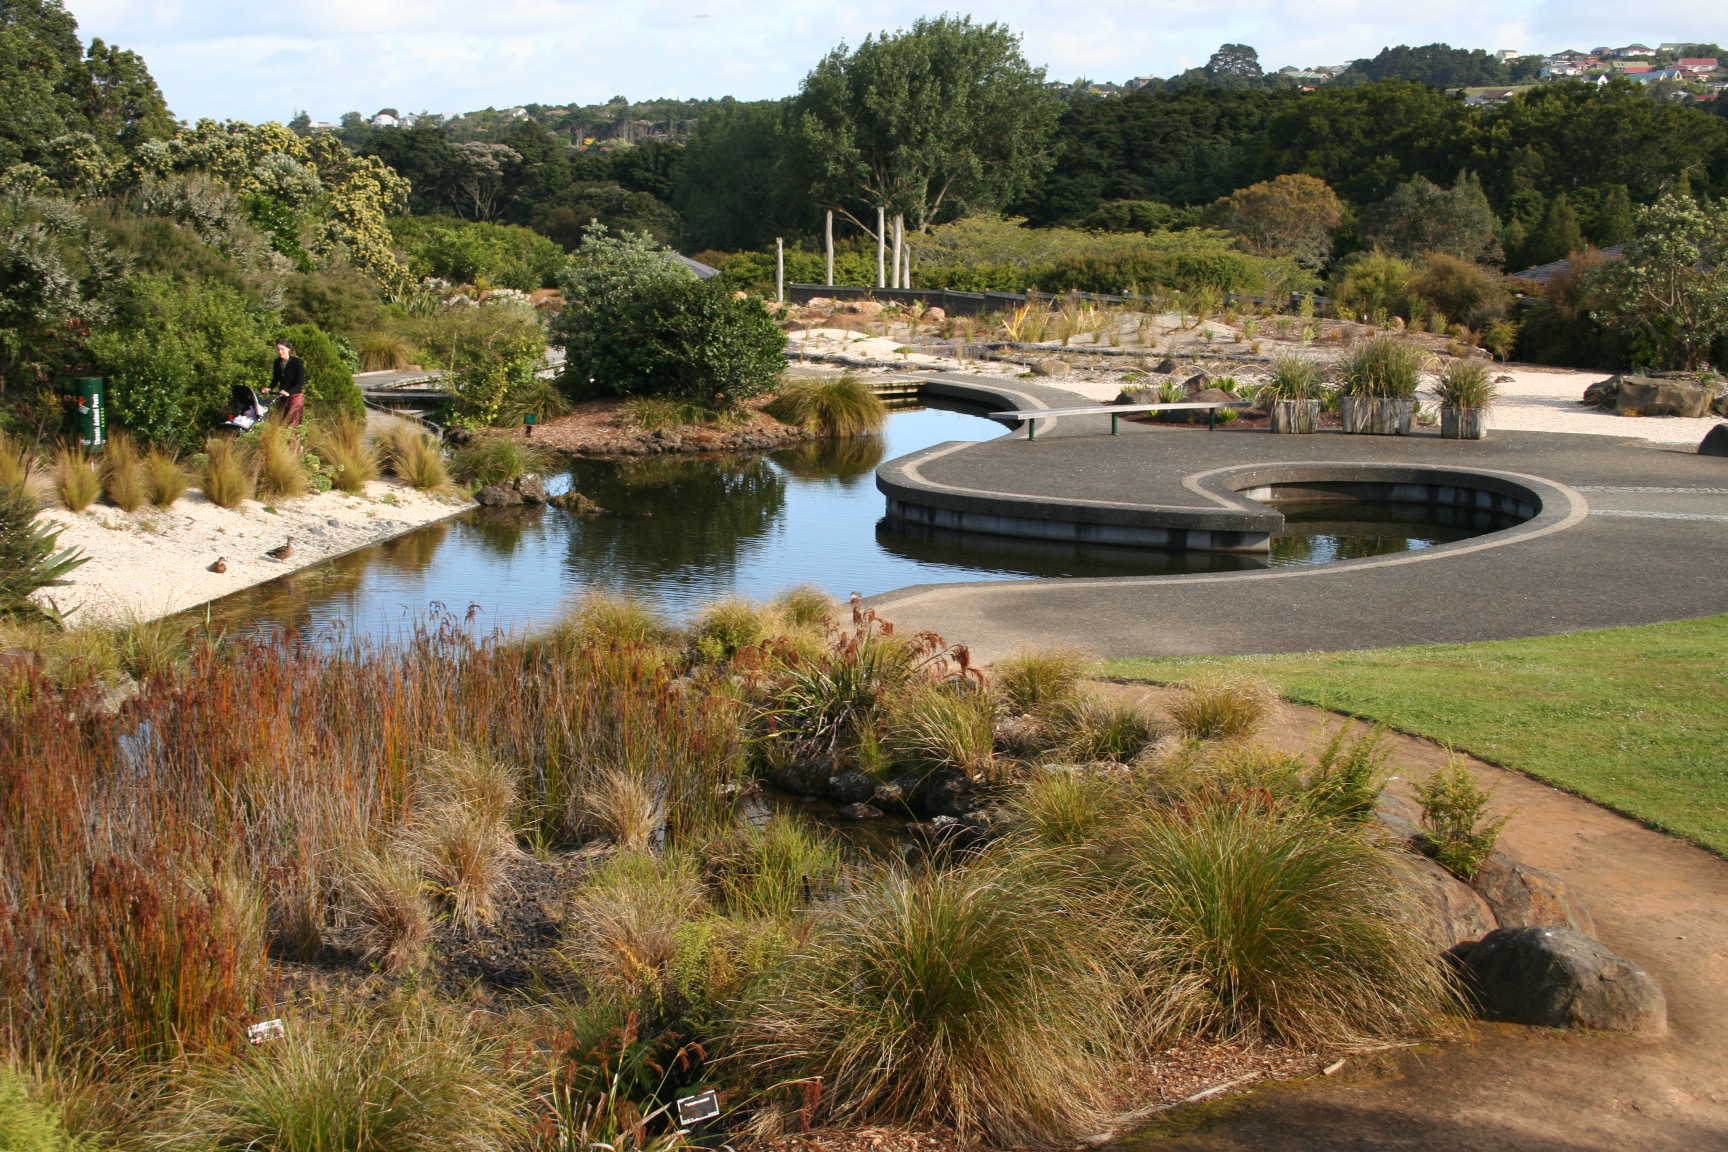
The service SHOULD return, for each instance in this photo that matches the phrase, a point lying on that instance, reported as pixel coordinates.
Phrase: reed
(123, 479)
(165, 475)
(226, 479)
(76, 481)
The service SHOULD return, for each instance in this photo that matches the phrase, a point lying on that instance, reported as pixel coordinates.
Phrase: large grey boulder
(1526, 897)
(497, 495)
(1604, 392)
(1455, 916)
(1639, 397)
(1559, 978)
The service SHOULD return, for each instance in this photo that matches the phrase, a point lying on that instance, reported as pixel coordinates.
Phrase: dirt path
(1655, 899)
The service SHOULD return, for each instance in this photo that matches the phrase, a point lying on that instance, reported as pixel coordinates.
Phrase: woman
(288, 377)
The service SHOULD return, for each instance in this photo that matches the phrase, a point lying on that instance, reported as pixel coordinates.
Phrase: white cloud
(264, 61)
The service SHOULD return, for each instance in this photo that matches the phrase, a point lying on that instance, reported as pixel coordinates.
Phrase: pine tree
(1558, 235)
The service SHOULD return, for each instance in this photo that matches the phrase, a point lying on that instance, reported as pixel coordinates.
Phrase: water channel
(684, 532)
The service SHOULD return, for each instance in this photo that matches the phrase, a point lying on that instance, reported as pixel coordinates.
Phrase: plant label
(695, 1109)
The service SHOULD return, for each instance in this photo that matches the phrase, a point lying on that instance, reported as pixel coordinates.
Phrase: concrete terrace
(1623, 532)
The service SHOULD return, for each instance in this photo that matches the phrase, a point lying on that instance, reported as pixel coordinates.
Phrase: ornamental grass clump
(971, 998)
(15, 461)
(348, 454)
(1294, 378)
(76, 481)
(943, 726)
(497, 458)
(281, 467)
(1296, 928)
(1465, 384)
(123, 479)
(626, 921)
(1384, 367)
(384, 898)
(1222, 708)
(165, 476)
(226, 479)
(1085, 727)
(416, 457)
(1033, 679)
(837, 409)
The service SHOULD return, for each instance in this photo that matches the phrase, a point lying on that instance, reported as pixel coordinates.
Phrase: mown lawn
(1633, 718)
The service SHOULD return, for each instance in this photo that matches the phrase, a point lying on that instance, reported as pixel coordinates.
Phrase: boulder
(857, 812)
(1559, 978)
(1165, 367)
(889, 796)
(1719, 406)
(820, 302)
(851, 787)
(1198, 382)
(1603, 391)
(1662, 398)
(865, 307)
(935, 314)
(1136, 396)
(1715, 442)
(1198, 415)
(574, 501)
(1526, 897)
(497, 495)
(1456, 915)
(531, 488)
(1402, 820)
(1051, 367)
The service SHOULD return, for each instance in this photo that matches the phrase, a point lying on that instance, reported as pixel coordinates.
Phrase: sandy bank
(154, 562)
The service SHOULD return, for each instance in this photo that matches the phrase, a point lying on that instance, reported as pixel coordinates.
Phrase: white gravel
(155, 562)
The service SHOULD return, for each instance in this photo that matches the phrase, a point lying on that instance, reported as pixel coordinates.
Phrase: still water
(685, 532)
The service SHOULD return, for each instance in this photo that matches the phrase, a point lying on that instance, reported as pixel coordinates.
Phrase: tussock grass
(123, 479)
(1294, 378)
(627, 921)
(1034, 679)
(280, 464)
(226, 479)
(384, 898)
(1465, 384)
(623, 807)
(1222, 707)
(497, 458)
(15, 462)
(346, 449)
(1066, 807)
(726, 626)
(76, 482)
(838, 409)
(347, 1084)
(415, 457)
(935, 726)
(152, 647)
(964, 998)
(776, 870)
(1087, 728)
(606, 616)
(385, 352)
(1295, 927)
(1383, 366)
(805, 606)
(165, 476)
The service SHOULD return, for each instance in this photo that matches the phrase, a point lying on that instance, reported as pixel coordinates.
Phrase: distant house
(1139, 82)
(1631, 50)
(385, 120)
(1655, 74)
(1506, 54)
(1697, 65)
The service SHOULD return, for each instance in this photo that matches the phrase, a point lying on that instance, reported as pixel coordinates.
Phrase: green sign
(92, 400)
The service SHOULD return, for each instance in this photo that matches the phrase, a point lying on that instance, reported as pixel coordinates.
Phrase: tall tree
(1614, 223)
(39, 57)
(1291, 215)
(1557, 236)
(733, 188)
(943, 119)
(1439, 65)
(1671, 289)
(1234, 66)
(119, 98)
(1421, 217)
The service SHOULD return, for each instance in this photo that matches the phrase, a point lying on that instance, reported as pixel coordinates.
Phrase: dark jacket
(289, 375)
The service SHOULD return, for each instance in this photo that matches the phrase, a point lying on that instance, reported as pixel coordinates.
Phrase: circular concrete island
(1576, 532)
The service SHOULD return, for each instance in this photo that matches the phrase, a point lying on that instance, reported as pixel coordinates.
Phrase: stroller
(245, 408)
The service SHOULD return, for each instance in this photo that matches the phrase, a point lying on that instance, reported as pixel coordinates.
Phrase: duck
(220, 566)
(283, 552)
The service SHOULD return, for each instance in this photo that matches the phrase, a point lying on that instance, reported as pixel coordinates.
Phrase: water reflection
(848, 462)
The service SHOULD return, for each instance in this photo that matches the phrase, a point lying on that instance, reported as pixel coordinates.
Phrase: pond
(683, 532)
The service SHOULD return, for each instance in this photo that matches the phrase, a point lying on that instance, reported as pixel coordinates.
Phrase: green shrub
(1454, 811)
(492, 351)
(1375, 283)
(1296, 928)
(971, 998)
(840, 408)
(470, 252)
(1457, 287)
(330, 387)
(27, 1125)
(684, 338)
(1348, 775)
(28, 559)
(1219, 268)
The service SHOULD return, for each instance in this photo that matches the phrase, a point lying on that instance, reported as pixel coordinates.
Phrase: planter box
(1295, 417)
(1378, 415)
(1463, 423)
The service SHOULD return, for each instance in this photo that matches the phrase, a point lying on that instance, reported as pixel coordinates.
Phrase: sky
(265, 61)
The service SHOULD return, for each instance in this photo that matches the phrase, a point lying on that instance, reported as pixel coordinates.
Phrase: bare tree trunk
(828, 237)
(881, 248)
(899, 245)
(906, 270)
(780, 269)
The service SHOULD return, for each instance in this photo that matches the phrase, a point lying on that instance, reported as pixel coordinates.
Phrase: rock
(1136, 396)
(820, 302)
(1719, 406)
(1198, 382)
(1603, 392)
(497, 495)
(1198, 415)
(851, 787)
(889, 795)
(1715, 442)
(1662, 398)
(531, 488)
(1402, 820)
(1563, 979)
(935, 314)
(865, 307)
(574, 501)
(1051, 367)
(1165, 367)
(858, 812)
(1526, 897)
(1457, 916)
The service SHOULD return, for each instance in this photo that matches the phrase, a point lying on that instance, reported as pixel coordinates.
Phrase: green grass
(1632, 718)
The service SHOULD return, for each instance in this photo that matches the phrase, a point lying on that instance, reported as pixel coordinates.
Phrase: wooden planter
(1379, 415)
(1463, 423)
(1295, 417)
